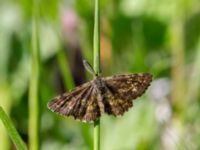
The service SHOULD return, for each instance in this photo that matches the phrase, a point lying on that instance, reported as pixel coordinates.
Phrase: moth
(112, 95)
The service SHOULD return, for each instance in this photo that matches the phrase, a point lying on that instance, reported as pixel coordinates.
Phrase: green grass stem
(34, 105)
(12, 132)
(178, 61)
(96, 56)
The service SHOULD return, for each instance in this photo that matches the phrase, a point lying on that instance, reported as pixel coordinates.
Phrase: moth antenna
(88, 67)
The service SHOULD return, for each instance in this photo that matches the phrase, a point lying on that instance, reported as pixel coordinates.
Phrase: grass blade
(34, 105)
(12, 131)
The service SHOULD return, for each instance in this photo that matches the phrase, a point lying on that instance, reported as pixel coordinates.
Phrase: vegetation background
(159, 37)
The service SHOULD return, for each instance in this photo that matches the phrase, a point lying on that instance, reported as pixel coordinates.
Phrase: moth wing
(66, 103)
(122, 89)
(114, 104)
(129, 86)
(79, 103)
(92, 111)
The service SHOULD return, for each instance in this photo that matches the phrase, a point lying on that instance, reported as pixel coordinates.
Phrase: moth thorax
(99, 83)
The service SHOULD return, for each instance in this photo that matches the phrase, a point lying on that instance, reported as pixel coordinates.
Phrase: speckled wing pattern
(87, 102)
(122, 89)
(77, 103)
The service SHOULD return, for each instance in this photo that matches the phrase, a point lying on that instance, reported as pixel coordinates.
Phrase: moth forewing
(128, 86)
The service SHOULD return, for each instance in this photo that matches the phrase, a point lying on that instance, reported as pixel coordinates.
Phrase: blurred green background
(161, 37)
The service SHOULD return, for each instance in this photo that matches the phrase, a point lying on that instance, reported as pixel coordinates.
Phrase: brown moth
(112, 95)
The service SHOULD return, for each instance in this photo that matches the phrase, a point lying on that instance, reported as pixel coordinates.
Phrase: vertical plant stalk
(34, 107)
(96, 58)
(178, 70)
(12, 130)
